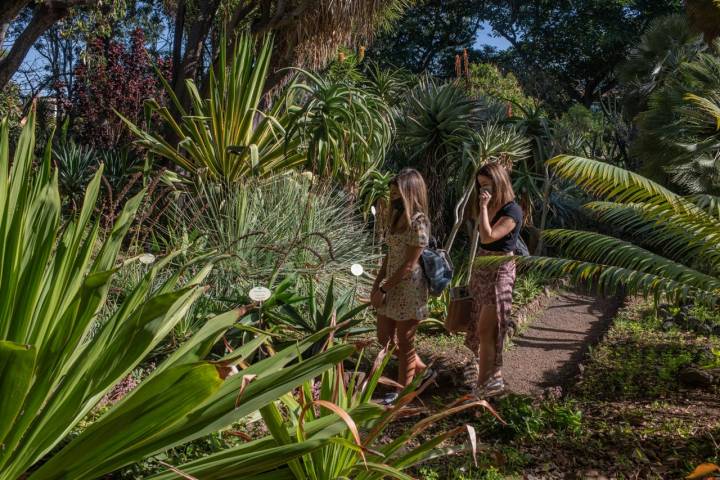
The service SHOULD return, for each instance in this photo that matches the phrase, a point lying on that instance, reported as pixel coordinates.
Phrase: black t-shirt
(509, 242)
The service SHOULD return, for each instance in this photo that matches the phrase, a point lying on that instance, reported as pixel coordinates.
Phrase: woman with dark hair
(400, 292)
(499, 220)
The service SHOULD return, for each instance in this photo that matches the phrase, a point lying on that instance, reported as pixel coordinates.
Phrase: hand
(377, 298)
(485, 197)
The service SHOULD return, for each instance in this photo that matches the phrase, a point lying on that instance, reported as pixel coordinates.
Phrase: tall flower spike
(466, 60)
(361, 54)
(458, 67)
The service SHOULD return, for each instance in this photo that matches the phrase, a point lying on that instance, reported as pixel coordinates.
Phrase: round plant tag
(147, 258)
(357, 269)
(259, 294)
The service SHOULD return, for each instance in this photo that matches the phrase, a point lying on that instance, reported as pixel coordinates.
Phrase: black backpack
(521, 248)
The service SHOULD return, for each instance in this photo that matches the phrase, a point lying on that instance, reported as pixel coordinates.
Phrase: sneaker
(389, 398)
(493, 387)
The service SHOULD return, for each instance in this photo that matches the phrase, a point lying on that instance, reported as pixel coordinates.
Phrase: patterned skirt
(491, 286)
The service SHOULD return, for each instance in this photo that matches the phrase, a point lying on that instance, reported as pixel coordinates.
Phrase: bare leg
(386, 332)
(487, 331)
(406, 351)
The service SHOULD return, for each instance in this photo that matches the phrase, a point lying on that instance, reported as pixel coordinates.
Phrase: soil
(543, 356)
(547, 354)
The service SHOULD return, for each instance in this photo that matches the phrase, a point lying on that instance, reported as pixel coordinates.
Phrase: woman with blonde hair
(400, 292)
(499, 220)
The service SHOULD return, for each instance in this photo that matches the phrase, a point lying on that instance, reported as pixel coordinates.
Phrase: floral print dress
(408, 299)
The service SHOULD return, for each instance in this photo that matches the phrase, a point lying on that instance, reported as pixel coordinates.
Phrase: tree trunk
(546, 208)
(192, 59)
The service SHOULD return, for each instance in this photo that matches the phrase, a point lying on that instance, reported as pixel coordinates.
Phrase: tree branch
(45, 15)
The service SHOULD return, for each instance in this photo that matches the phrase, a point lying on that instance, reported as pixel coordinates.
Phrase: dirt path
(547, 353)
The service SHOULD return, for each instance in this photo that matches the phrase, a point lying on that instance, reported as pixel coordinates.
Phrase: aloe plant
(227, 136)
(59, 356)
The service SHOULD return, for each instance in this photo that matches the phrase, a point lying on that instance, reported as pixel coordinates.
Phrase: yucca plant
(672, 245)
(228, 136)
(61, 351)
(339, 410)
(345, 128)
(432, 128)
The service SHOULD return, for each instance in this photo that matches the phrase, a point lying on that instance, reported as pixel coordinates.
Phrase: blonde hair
(503, 192)
(413, 193)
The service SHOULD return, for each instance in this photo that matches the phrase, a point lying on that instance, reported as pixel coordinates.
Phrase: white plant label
(259, 294)
(147, 258)
(373, 210)
(357, 269)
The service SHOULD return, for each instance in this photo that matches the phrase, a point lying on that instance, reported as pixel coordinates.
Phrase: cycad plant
(338, 410)
(667, 245)
(678, 138)
(345, 128)
(228, 136)
(61, 351)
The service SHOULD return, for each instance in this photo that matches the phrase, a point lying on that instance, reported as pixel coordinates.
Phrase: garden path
(547, 353)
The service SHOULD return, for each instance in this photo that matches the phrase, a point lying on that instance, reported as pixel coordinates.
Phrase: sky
(485, 37)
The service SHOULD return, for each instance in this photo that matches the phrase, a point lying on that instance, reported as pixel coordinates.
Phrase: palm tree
(705, 17)
(672, 245)
(678, 140)
(666, 44)
(345, 129)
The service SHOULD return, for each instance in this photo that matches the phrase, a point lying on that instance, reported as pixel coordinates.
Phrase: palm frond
(598, 248)
(608, 181)
(678, 235)
(606, 279)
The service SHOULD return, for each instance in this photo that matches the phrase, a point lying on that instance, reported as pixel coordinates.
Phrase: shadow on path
(548, 352)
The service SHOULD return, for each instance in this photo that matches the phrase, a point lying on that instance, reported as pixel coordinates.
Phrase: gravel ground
(547, 354)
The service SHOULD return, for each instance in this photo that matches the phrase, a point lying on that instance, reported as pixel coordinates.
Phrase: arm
(412, 255)
(381, 275)
(501, 228)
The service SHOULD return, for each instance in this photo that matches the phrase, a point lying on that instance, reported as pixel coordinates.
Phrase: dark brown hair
(413, 193)
(502, 185)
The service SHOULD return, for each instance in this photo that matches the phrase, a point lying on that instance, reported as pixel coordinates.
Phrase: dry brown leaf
(703, 470)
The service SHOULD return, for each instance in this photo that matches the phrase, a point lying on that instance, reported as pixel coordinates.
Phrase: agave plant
(61, 351)
(274, 228)
(339, 411)
(672, 247)
(294, 315)
(227, 136)
(346, 129)
(76, 165)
